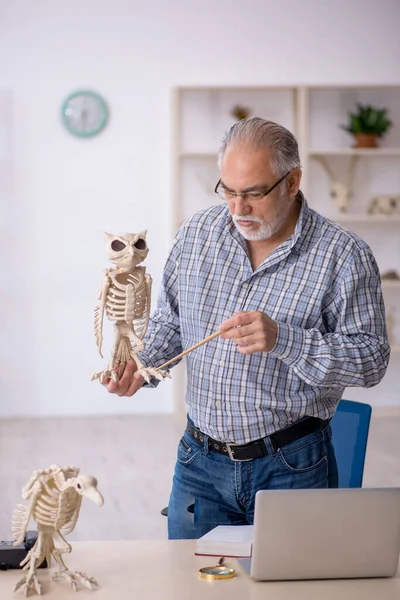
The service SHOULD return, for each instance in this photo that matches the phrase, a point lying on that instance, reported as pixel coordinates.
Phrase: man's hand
(129, 383)
(252, 331)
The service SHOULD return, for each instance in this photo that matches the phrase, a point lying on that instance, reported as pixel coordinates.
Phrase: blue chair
(350, 427)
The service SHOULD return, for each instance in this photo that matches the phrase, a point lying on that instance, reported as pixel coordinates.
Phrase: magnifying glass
(217, 571)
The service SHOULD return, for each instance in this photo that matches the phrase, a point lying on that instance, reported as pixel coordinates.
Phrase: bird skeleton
(125, 297)
(55, 496)
(340, 191)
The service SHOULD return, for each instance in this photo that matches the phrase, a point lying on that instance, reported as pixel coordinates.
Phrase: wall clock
(84, 113)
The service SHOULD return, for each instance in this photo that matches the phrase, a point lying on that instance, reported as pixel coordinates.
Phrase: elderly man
(299, 301)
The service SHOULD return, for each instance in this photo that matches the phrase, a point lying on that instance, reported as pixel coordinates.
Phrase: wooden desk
(162, 570)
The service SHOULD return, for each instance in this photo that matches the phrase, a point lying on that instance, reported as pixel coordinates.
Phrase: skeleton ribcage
(128, 304)
(47, 508)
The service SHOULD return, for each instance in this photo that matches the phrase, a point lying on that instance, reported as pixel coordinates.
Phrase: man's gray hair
(260, 133)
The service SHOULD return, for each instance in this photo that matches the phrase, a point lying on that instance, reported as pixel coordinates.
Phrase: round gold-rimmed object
(217, 571)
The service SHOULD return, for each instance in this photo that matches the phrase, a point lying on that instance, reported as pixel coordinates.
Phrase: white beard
(265, 230)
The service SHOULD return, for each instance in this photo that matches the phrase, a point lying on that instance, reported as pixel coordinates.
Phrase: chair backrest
(350, 427)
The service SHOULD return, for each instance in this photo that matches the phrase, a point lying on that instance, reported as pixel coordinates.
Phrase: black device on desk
(11, 557)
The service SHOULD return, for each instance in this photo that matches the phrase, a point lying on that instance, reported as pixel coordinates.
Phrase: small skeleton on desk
(55, 496)
(125, 297)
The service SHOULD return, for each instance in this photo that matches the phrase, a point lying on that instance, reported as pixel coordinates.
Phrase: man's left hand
(252, 331)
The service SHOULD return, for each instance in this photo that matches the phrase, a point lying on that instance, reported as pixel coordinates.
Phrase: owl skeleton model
(125, 298)
(55, 496)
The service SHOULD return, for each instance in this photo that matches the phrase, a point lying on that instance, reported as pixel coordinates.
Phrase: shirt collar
(302, 222)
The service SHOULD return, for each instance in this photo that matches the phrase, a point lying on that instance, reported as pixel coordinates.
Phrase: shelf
(356, 152)
(371, 219)
(390, 284)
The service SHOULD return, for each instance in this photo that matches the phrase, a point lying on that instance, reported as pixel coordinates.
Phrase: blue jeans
(223, 491)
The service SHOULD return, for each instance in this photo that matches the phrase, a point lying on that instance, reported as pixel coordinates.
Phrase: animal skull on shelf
(125, 297)
(340, 191)
(384, 205)
(55, 496)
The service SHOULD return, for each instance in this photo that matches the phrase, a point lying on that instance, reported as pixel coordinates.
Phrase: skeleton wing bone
(22, 514)
(99, 311)
(149, 281)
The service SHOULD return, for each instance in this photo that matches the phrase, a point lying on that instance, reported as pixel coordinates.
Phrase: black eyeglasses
(227, 195)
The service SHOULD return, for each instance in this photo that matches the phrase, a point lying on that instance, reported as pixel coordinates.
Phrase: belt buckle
(230, 453)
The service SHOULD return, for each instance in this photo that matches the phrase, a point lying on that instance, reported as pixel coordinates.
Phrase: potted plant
(367, 124)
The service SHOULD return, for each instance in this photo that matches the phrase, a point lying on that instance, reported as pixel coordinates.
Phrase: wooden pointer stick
(207, 339)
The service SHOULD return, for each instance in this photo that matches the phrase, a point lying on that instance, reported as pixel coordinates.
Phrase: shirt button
(218, 403)
(245, 285)
(222, 363)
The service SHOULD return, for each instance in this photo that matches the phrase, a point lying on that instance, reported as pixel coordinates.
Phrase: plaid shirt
(321, 286)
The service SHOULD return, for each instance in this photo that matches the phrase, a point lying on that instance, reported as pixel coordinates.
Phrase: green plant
(368, 119)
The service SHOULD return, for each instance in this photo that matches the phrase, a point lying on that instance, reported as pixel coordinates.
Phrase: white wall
(67, 191)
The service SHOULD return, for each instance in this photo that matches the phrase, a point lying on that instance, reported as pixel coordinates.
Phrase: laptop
(325, 534)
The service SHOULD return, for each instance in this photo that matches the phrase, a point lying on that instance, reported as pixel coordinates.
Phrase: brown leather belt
(258, 448)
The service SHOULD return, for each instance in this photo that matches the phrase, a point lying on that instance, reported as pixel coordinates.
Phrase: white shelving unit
(313, 113)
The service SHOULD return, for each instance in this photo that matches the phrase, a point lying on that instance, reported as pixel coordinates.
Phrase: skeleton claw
(148, 372)
(144, 373)
(102, 375)
(74, 578)
(105, 375)
(163, 374)
(29, 583)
